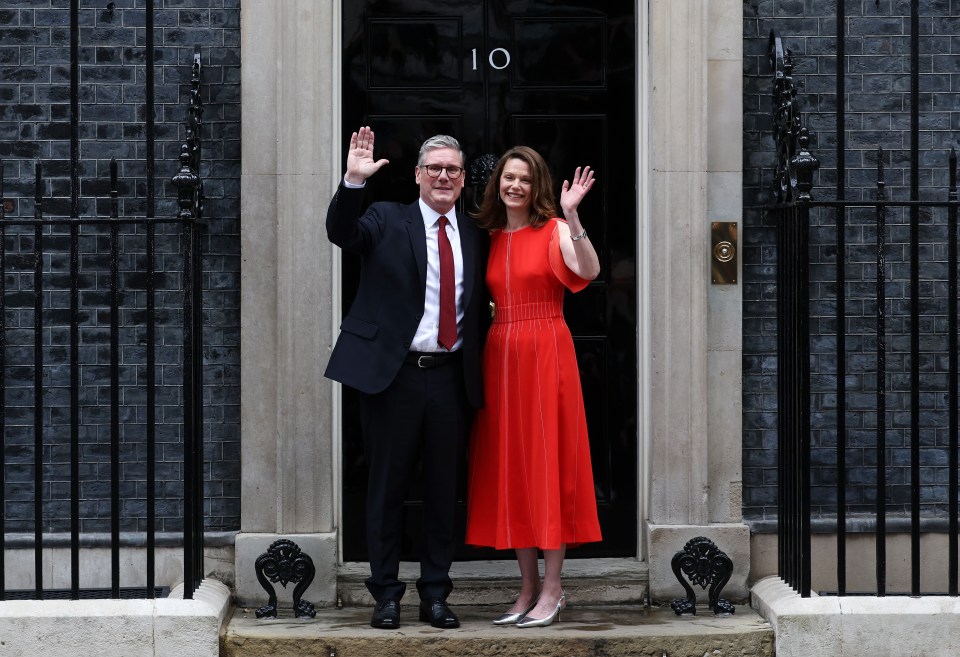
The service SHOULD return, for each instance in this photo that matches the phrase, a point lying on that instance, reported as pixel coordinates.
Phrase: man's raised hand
(360, 162)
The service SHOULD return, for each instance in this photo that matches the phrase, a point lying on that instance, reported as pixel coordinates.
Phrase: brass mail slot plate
(724, 252)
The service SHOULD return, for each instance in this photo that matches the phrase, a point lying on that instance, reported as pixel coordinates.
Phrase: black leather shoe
(437, 613)
(386, 615)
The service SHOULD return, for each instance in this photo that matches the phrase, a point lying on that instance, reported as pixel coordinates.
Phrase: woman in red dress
(531, 482)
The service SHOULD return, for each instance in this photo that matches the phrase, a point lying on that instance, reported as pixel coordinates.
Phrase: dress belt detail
(524, 311)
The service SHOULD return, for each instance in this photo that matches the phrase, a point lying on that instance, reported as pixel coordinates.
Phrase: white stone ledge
(172, 627)
(856, 626)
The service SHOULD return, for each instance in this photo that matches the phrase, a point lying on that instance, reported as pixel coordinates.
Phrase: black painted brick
(34, 123)
(877, 78)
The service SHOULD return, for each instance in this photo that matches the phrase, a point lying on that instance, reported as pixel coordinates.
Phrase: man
(411, 346)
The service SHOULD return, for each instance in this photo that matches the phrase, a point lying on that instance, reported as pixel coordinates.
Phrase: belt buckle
(422, 363)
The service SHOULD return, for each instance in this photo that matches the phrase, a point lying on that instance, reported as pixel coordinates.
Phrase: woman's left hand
(572, 193)
(579, 255)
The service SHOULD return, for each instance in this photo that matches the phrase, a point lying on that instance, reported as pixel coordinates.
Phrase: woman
(531, 483)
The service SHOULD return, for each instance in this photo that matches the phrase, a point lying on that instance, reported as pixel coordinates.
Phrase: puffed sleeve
(563, 273)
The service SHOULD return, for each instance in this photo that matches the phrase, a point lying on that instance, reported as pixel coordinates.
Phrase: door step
(586, 581)
(584, 631)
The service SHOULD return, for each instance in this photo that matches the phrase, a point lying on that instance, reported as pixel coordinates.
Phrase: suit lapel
(418, 240)
(468, 246)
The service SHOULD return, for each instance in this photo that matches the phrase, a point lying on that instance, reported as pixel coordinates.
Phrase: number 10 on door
(499, 58)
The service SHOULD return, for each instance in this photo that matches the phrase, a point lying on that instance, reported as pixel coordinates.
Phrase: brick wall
(877, 103)
(35, 125)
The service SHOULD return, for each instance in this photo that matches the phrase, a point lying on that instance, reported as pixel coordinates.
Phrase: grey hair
(439, 141)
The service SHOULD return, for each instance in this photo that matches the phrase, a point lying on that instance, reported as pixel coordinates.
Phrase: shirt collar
(431, 216)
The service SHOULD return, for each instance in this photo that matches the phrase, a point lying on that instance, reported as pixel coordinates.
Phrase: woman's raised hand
(572, 193)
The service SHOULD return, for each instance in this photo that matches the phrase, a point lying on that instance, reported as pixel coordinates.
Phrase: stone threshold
(583, 631)
(588, 581)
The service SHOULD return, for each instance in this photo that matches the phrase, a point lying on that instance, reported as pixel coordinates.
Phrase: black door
(556, 75)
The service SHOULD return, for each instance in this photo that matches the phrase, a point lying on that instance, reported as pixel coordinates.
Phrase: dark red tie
(447, 335)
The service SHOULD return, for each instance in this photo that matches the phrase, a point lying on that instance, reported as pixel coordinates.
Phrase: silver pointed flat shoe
(543, 622)
(512, 619)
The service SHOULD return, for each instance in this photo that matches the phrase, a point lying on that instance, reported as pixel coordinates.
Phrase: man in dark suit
(411, 346)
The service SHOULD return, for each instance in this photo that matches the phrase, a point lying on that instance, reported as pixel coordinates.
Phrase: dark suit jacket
(375, 335)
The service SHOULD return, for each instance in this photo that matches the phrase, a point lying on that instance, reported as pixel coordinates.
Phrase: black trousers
(424, 413)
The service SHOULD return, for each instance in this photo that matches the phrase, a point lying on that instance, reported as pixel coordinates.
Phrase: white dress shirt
(425, 339)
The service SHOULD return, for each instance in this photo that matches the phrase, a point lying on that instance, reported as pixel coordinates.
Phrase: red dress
(531, 482)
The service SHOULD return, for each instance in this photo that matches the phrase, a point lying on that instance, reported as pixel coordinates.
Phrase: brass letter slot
(723, 252)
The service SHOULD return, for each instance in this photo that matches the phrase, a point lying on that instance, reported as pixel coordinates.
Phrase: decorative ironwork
(791, 213)
(190, 198)
(705, 565)
(188, 182)
(793, 176)
(793, 180)
(45, 250)
(481, 168)
(804, 164)
(285, 562)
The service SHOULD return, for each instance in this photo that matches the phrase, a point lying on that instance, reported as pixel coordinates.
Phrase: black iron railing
(793, 181)
(150, 304)
(792, 213)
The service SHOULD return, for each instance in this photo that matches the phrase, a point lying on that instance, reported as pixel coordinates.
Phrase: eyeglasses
(433, 170)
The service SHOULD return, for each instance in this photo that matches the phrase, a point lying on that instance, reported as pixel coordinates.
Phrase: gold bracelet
(580, 236)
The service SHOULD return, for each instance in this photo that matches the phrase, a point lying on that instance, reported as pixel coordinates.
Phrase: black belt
(426, 360)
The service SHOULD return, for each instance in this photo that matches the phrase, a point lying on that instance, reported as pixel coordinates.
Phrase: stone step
(583, 631)
(588, 581)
